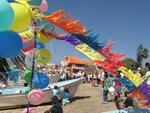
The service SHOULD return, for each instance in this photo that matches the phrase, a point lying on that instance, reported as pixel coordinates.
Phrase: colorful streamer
(137, 79)
(62, 20)
(83, 48)
(90, 40)
(145, 89)
(127, 84)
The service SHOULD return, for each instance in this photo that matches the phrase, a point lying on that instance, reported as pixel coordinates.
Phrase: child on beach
(56, 108)
(129, 101)
(56, 92)
(106, 86)
(118, 85)
(66, 95)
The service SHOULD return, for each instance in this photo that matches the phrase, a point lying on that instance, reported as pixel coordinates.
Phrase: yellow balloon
(28, 34)
(43, 39)
(23, 14)
(43, 56)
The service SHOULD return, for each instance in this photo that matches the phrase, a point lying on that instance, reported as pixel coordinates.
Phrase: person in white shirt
(147, 75)
(79, 74)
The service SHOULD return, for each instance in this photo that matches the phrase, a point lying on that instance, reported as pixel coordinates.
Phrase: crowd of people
(50, 69)
(121, 96)
(111, 85)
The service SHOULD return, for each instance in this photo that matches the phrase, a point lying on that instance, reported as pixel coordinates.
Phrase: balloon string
(33, 66)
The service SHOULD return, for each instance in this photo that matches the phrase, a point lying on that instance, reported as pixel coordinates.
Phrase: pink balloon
(44, 6)
(31, 110)
(36, 97)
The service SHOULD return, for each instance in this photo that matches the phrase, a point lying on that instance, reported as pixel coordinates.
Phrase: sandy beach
(88, 99)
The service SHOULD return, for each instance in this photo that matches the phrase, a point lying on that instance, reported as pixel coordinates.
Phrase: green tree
(141, 54)
(131, 63)
(145, 53)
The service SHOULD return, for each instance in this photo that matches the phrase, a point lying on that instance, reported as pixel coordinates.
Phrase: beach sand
(88, 99)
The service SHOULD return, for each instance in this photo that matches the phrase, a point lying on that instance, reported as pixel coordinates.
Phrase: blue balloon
(35, 2)
(14, 75)
(40, 45)
(6, 15)
(11, 0)
(40, 80)
(10, 44)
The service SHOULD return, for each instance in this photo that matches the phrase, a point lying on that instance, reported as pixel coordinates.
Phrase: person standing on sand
(56, 108)
(99, 78)
(106, 86)
(118, 85)
(147, 75)
(94, 80)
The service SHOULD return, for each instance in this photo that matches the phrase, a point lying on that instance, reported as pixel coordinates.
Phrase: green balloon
(35, 2)
(27, 75)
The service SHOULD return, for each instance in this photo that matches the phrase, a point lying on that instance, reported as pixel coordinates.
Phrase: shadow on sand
(79, 98)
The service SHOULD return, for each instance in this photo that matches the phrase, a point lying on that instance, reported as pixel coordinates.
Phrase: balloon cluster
(30, 29)
(27, 31)
(11, 43)
(17, 33)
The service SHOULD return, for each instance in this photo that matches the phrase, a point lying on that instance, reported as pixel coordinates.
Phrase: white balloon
(111, 89)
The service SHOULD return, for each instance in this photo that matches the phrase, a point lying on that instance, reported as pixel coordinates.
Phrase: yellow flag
(85, 49)
(136, 78)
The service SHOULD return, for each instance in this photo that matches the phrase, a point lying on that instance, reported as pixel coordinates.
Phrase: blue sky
(126, 21)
